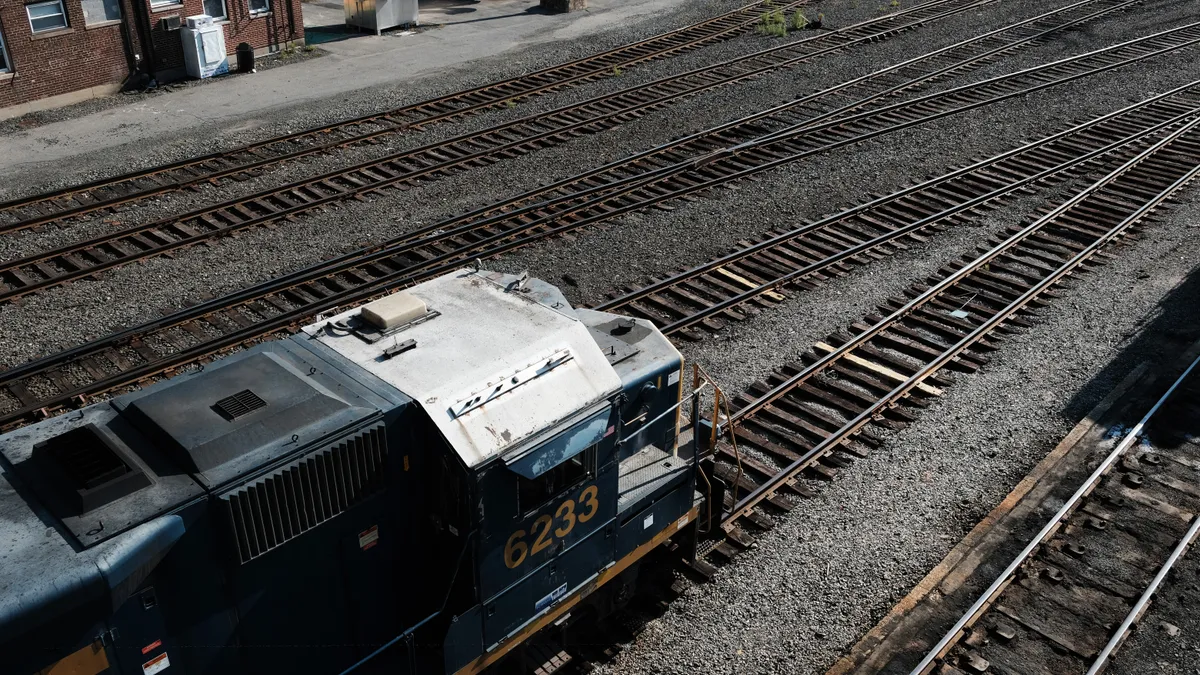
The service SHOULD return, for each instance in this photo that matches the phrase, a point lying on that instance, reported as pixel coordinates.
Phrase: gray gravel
(707, 110)
(830, 570)
(834, 567)
(130, 295)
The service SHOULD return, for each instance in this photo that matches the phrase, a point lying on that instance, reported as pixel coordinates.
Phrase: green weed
(773, 23)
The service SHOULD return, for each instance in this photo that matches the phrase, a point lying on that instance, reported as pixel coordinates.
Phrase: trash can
(245, 58)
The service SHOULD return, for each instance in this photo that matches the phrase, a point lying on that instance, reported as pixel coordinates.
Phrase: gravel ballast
(836, 565)
(832, 568)
(130, 295)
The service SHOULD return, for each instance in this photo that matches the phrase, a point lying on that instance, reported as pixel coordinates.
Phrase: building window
(5, 66)
(44, 16)
(260, 6)
(215, 9)
(99, 11)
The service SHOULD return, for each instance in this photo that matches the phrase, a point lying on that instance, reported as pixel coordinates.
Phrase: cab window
(533, 493)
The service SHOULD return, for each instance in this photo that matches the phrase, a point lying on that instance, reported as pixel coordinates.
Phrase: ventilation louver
(95, 472)
(242, 403)
(280, 507)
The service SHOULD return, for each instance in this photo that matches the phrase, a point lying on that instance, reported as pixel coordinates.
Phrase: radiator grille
(277, 508)
(242, 403)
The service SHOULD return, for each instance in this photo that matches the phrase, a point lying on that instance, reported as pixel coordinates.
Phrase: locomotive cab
(563, 423)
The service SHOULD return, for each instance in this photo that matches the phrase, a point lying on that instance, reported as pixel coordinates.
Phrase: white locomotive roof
(496, 363)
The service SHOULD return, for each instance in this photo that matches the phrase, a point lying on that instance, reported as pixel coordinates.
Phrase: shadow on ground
(1161, 337)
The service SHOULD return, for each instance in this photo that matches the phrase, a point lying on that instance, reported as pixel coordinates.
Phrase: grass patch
(773, 23)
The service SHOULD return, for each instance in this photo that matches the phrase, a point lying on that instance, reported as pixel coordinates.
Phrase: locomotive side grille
(277, 508)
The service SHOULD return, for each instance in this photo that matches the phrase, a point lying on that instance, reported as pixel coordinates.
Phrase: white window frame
(62, 6)
(7, 67)
(224, 11)
(259, 12)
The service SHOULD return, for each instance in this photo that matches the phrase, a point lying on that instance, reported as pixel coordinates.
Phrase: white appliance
(380, 15)
(199, 21)
(204, 47)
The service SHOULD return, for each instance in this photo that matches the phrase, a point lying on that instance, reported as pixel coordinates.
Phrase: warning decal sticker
(156, 664)
(368, 538)
(152, 646)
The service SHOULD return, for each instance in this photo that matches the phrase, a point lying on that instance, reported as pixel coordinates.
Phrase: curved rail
(106, 193)
(971, 300)
(696, 297)
(126, 357)
(431, 162)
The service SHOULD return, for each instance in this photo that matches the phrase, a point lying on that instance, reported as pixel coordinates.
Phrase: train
(419, 484)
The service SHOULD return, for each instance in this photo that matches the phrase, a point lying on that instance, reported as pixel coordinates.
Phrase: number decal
(543, 540)
(517, 550)
(588, 498)
(515, 545)
(568, 518)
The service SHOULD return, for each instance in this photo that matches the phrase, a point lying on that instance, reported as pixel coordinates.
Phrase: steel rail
(19, 273)
(326, 147)
(1127, 623)
(121, 247)
(1048, 530)
(68, 393)
(736, 125)
(865, 246)
(630, 185)
(733, 126)
(494, 94)
(880, 201)
(765, 490)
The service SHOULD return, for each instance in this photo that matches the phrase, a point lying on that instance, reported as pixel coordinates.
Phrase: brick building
(56, 52)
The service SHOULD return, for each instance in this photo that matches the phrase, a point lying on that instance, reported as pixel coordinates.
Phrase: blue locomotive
(417, 485)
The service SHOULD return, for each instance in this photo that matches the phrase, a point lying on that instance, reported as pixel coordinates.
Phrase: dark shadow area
(1162, 336)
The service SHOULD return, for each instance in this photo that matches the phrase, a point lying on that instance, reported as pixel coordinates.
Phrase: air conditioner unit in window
(171, 22)
(199, 21)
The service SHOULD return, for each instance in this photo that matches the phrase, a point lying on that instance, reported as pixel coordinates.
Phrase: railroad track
(107, 193)
(75, 261)
(1070, 597)
(434, 161)
(124, 359)
(810, 419)
(759, 274)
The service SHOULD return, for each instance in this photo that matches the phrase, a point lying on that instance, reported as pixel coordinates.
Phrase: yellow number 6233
(516, 550)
